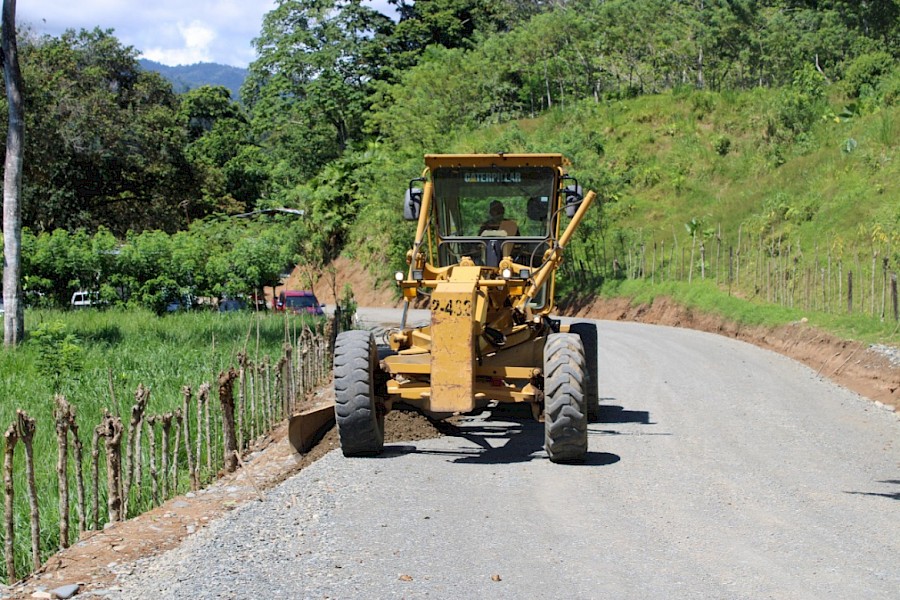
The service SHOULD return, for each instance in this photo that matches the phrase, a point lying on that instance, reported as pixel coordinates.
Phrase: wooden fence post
(289, 375)
(203, 400)
(112, 431)
(166, 421)
(268, 390)
(60, 416)
(186, 424)
(150, 421)
(11, 437)
(251, 395)
(257, 399)
(132, 444)
(78, 450)
(330, 335)
(176, 419)
(199, 454)
(894, 296)
(95, 476)
(702, 259)
(26, 429)
(226, 398)
(302, 377)
(282, 384)
(242, 397)
(874, 266)
(850, 292)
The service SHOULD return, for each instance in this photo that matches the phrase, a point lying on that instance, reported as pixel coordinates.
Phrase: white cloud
(168, 31)
(197, 38)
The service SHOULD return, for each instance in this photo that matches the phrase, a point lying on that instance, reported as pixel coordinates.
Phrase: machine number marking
(455, 307)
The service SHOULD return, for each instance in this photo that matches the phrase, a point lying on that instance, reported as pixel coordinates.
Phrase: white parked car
(83, 299)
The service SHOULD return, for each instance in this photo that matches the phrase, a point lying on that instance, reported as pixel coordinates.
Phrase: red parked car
(299, 301)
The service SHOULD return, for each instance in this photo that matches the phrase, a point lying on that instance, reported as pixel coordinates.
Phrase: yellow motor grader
(485, 256)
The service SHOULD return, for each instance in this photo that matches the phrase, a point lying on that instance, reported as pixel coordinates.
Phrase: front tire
(588, 334)
(565, 415)
(359, 414)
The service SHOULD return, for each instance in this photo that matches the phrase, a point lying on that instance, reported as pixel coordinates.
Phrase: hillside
(188, 77)
(713, 188)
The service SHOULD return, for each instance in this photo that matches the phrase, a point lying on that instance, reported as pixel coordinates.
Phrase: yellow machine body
(489, 292)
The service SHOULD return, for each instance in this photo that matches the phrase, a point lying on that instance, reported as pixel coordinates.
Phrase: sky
(171, 32)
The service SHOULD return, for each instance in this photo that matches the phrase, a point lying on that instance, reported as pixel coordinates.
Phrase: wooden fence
(164, 454)
(860, 280)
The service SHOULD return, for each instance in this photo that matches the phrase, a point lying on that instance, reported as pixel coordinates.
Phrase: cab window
(493, 201)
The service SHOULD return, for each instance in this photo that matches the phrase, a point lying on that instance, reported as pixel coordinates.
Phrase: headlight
(398, 276)
(506, 274)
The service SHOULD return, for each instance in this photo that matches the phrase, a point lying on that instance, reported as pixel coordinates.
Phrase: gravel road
(715, 470)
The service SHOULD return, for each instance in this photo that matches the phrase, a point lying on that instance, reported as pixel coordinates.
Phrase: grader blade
(307, 427)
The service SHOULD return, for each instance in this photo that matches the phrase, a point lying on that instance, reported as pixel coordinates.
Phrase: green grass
(122, 348)
(821, 202)
(706, 297)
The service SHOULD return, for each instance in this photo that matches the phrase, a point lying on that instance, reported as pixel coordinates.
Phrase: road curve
(715, 470)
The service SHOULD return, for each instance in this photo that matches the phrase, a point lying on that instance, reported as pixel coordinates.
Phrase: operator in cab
(497, 222)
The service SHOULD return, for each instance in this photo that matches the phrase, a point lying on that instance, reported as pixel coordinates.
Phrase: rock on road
(715, 470)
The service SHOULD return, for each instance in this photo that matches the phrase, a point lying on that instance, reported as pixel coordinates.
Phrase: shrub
(866, 71)
(889, 88)
(59, 352)
(722, 145)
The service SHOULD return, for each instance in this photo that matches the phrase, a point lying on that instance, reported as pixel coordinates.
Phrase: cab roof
(501, 159)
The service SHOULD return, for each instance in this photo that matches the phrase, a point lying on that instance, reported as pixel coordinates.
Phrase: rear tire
(588, 334)
(565, 417)
(358, 412)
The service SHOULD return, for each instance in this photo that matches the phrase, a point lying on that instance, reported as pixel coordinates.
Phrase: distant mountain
(188, 77)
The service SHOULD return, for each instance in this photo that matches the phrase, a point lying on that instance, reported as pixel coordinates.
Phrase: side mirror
(573, 199)
(411, 204)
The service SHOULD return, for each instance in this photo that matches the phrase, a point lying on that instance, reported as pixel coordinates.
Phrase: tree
(221, 149)
(105, 146)
(309, 87)
(13, 316)
(451, 23)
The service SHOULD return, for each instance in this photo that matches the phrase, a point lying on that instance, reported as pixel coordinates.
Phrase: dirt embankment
(329, 289)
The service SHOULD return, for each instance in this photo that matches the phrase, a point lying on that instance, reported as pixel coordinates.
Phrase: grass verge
(705, 296)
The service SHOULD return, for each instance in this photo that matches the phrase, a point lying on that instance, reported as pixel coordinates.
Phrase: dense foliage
(342, 102)
(213, 258)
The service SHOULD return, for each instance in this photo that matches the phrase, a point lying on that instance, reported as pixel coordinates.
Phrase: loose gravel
(889, 352)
